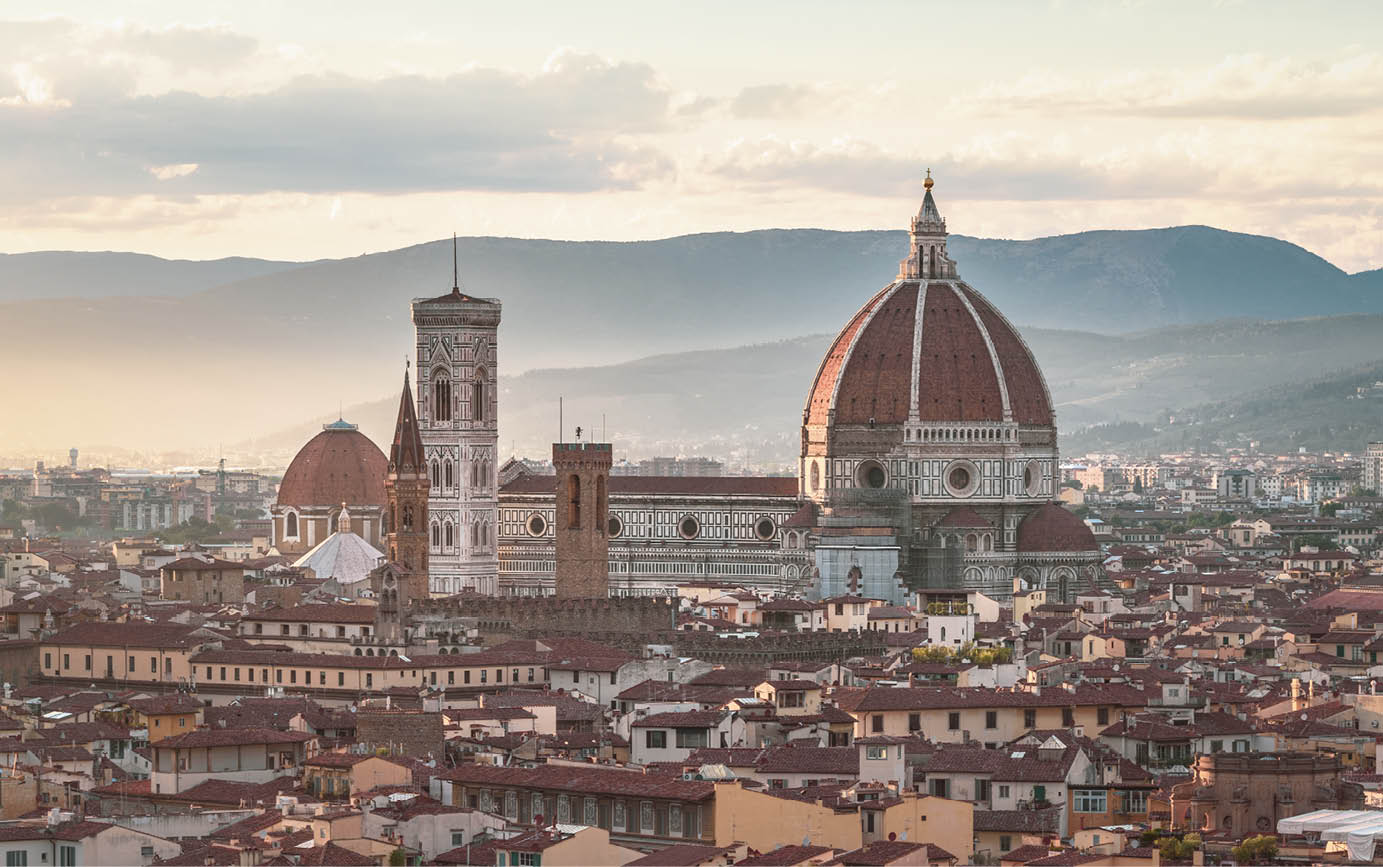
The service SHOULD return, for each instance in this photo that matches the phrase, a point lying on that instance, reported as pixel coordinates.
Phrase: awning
(1318, 820)
(1358, 829)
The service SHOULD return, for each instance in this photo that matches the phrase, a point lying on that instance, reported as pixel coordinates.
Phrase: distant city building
(676, 467)
(1373, 467)
(1236, 484)
(1320, 488)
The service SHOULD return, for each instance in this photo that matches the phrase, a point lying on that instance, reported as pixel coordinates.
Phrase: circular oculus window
(871, 475)
(765, 529)
(615, 527)
(537, 525)
(1032, 478)
(689, 527)
(962, 479)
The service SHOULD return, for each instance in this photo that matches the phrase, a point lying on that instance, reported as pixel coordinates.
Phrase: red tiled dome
(937, 344)
(338, 465)
(1050, 528)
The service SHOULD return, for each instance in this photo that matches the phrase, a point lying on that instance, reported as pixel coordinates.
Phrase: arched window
(574, 502)
(478, 395)
(436, 536)
(475, 535)
(290, 525)
(475, 474)
(600, 506)
(449, 534)
(447, 471)
(407, 519)
(441, 399)
(436, 479)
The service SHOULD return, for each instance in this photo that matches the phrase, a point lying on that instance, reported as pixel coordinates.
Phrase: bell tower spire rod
(455, 270)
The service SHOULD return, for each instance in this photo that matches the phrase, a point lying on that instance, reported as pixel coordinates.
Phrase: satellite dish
(1304, 717)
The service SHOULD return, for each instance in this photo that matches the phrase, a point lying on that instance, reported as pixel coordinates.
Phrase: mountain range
(745, 403)
(134, 351)
(1339, 412)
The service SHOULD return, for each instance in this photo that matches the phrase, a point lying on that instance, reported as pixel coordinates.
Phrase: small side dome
(338, 465)
(1050, 528)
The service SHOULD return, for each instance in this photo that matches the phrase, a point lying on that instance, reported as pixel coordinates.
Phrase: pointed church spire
(406, 454)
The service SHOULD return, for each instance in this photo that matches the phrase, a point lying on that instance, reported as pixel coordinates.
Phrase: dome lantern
(927, 257)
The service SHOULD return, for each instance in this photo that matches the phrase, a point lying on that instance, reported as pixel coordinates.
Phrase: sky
(309, 130)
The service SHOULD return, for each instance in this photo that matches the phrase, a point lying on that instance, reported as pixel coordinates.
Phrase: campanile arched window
(441, 399)
(290, 525)
(447, 472)
(478, 395)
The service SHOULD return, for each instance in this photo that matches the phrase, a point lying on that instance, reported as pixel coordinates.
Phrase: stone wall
(768, 649)
(502, 618)
(413, 733)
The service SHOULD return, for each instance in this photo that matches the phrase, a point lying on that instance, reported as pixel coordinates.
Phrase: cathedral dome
(1050, 528)
(933, 351)
(928, 348)
(338, 465)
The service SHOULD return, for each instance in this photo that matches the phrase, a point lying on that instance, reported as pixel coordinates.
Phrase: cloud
(778, 100)
(1008, 168)
(167, 173)
(575, 126)
(1247, 86)
(182, 47)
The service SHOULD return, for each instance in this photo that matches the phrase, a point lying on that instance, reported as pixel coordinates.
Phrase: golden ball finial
(928, 182)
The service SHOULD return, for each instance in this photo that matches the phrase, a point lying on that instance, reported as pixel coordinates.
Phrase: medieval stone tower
(407, 487)
(581, 524)
(457, 407)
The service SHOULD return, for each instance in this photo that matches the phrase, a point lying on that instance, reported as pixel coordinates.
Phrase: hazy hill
(242, 358)
(1319, 415)
(98, 275)
(746, 402)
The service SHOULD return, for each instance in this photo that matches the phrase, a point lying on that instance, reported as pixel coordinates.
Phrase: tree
(1330, 510)
(1072, 483)
(982, 656)
(1256, 850)
(1179, 849)
(932, 653)
(1319, 541)
(398, 858)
